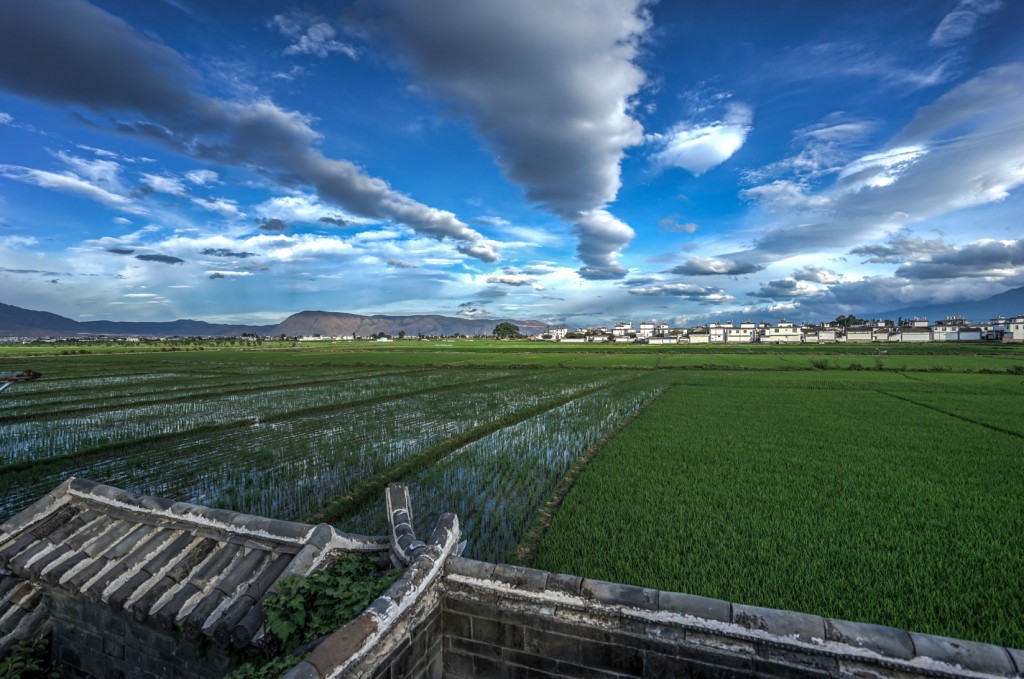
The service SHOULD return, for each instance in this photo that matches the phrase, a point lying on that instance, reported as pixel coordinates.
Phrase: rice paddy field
(836, 480)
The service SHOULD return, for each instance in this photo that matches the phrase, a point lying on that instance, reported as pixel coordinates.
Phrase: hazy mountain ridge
(981, 311)
(18, 322)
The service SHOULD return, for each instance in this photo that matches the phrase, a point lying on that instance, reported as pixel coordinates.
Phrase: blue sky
(575, 161)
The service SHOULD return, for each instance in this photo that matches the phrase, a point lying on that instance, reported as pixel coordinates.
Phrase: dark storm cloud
(400, 264)
(32, 271)
(787, 288)
(336, 221)
(547, 87)
(899, 249)
(74, 53)
(274, 224)
(983, 259)
(166, 259)
(224, 252)
(711, 266)
(70, 52)
(121, 251)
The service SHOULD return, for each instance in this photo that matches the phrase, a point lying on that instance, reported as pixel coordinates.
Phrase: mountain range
(981, 311)
(18, 322)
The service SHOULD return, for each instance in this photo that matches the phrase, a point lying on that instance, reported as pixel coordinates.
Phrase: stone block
(528, 579)
(474, 648)
(799, 658)
(113, 649)
(616, 594)
(470, 568)
(887, 641)
(303, 670)
(497, 633)
(1017, 656)
(851, 669)
(556, 646)
(340, 646)
(612, 657)
(802, 626)
(457, 665)
(696, 606)
(565, 584)
(456, 625)
(531, 661)
(970, 655)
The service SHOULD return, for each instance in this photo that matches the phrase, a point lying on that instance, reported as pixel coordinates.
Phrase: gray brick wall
(93, 641)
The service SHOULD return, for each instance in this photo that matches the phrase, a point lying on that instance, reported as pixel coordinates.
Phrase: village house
(783, 333)
(716, 331)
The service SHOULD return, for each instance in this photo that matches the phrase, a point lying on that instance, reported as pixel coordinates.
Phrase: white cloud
(700, 146)
(104, 173)
(165, 184)
(6, 118)
(70, 183)
(515, 280)
(963, 21)
(305, 208)
(203, 177)
(712, 266)
(694, 293)
(225, 207)
(311, 35)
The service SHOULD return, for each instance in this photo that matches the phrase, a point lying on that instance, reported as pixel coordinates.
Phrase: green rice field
(836, 480)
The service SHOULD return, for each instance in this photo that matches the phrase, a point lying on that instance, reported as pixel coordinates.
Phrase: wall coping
(802, 632)
(343, 650)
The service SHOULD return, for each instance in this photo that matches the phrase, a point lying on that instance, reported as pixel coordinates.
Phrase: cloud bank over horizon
(581, 162)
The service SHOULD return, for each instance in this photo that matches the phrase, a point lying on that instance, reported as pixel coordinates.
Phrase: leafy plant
(305, 609)
(29, 660)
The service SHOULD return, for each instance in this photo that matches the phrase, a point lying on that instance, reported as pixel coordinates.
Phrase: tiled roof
(174, 563)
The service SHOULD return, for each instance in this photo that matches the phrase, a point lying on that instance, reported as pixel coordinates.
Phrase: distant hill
(335, 323)
(981, 311)
(18, 322)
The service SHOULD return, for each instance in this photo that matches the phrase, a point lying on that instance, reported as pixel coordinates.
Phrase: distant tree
(401, 334)
(506, 330)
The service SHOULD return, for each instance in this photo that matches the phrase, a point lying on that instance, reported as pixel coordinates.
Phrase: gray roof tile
(166, 561)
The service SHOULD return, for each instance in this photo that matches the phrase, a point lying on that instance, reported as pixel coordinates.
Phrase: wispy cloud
(963, 21)
(311, 35)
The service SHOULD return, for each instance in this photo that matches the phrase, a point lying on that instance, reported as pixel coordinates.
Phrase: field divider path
(61, 414)
(140, 445)
(370, 489)
(527, 547)
(954, 415)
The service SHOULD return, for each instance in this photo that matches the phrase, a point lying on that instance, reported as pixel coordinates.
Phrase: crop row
(496, 484)
(290, 466)
(849, 504)
(37, 439)
(54, 396)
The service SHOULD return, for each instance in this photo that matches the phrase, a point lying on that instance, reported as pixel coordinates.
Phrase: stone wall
(93, 641)
(507, 621)
(480, 619)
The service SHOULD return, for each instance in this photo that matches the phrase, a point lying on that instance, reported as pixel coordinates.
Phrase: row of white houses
(785, 332)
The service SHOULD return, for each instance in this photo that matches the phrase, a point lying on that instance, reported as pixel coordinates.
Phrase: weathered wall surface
(494, 620)
(96, 642)
(507, 621)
